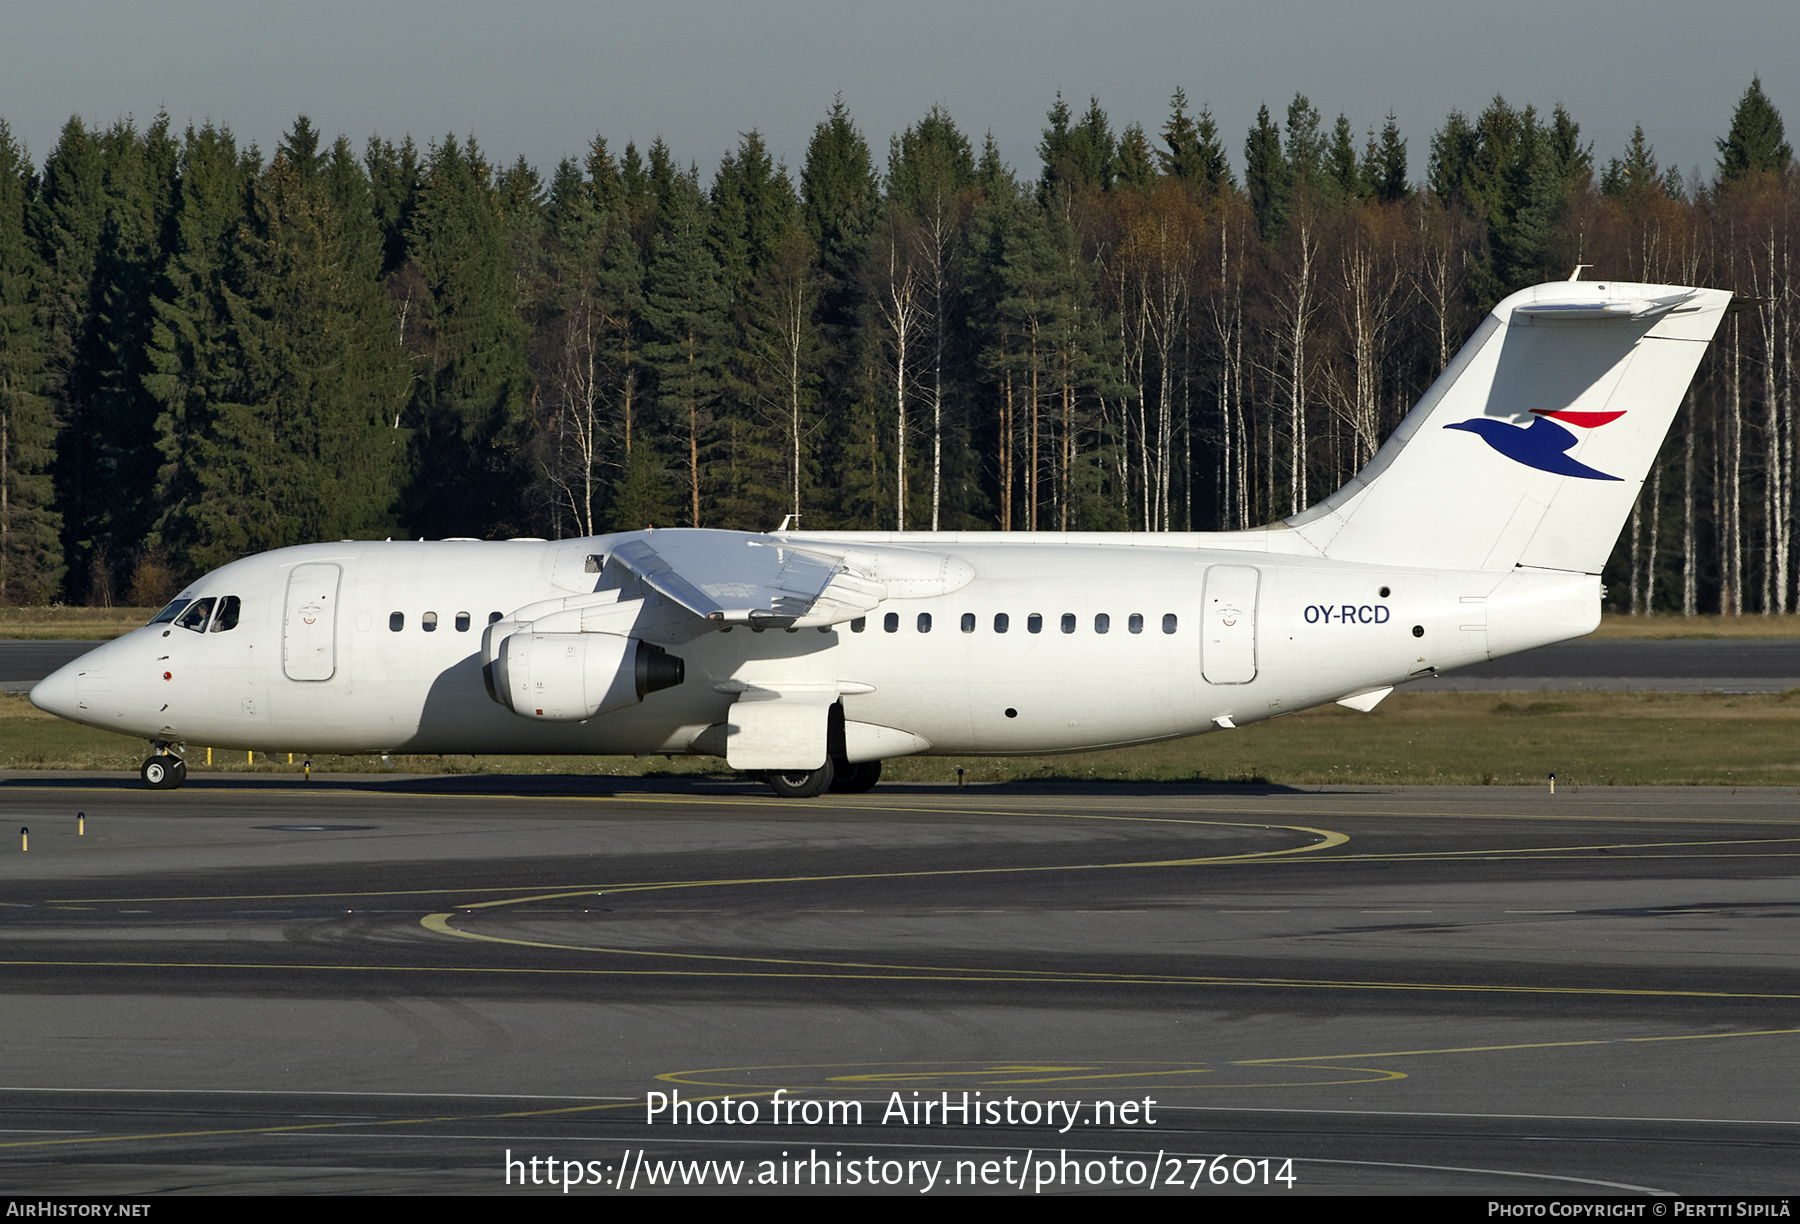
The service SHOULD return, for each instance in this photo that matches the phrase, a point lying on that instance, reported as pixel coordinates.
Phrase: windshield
(195, 617)
(170, 613)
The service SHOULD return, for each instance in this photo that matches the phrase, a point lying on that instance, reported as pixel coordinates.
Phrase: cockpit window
(229, 610)
(169, 613)
(195, 617)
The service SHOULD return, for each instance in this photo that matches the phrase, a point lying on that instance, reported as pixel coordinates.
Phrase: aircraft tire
(163, 772)
(800, 784)
(857, 779)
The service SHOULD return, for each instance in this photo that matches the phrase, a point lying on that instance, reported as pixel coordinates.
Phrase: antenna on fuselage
(1576, 274)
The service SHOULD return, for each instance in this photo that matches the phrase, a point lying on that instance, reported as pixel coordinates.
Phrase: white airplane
(1478, 529)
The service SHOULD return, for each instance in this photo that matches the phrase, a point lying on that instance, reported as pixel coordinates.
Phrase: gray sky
(540, 79)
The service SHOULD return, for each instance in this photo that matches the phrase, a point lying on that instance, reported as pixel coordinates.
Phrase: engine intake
(569, 677)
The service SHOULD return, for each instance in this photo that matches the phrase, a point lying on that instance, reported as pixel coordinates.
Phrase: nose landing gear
(163, 770)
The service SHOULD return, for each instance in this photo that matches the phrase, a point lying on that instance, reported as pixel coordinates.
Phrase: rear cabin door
(309, 628)
(1228, 625)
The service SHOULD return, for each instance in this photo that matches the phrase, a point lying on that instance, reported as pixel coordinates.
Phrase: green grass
(56, 621)
(1411, 738)
(1614, 625)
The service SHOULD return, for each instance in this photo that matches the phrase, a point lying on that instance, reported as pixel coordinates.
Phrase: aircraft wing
(741, 578)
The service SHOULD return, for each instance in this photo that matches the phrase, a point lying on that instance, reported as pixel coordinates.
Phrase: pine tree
(753, 207)
(394, 179)
(929, 164)
(838, 201)
(1267, 178)
(1384, 164)
(31, 557)
(1756, 143)
(1340, 162)
(1215, 170)
(775, 379)
(141, 175)
(1179, 158)
(1451, 175)
(192, 352)
(305, 448)
(605, 185)
(1077, 156)
(637, 199)
(469, 413)
(839, 205)
(684, 307)
(1634, 177)
(1137, 165)
(66, 220)
(1307, 153)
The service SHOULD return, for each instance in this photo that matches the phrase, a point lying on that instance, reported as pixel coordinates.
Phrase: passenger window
(1102, 622)
(1068, 622)
(594, 564)
(1034, 623)
(428, 622)
(924, 622)
(968, 622)
(891, 622)
(492, 617)
(462, 622)
(859, 624)
(1168, 622)
(195, 617)
(397, 621)
(1136, 623)
(1001, 622)
(229, 611)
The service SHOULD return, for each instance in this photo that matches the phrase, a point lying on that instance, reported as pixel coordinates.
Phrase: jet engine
(568, 677)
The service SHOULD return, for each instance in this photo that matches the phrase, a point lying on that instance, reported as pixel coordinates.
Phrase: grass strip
(1510, 739)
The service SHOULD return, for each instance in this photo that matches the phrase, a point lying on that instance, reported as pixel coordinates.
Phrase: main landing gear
(163, 770)
(838, 777)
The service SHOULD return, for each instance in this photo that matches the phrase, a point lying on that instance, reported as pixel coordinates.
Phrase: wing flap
(737, 578)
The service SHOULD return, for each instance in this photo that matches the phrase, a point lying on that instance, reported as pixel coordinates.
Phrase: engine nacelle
(568, 677)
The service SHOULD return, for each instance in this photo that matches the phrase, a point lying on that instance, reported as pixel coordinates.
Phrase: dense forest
(206, 351)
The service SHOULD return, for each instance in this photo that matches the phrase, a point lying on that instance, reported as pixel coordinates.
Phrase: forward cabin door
(309, 628)
(1228, 625)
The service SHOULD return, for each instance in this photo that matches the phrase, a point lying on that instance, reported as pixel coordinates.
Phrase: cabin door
(309, 628)
(1228, 625)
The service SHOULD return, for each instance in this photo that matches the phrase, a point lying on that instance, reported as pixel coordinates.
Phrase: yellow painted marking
(904, 973)
(346, 1125)
(992, 1074)
(988, 1076)
(1328, 840)
(1522, 1045)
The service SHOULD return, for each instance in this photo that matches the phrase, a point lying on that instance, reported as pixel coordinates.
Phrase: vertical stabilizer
(1532, 445)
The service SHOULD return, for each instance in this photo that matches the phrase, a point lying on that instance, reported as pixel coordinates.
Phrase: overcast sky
(540, 79)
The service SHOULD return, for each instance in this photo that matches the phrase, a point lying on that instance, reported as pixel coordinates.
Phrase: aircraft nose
(62, 691)
(55, 693)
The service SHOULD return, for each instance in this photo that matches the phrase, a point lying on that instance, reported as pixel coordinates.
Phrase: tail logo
(1543, 444)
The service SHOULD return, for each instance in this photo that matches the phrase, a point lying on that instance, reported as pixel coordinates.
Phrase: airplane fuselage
(1048, 644)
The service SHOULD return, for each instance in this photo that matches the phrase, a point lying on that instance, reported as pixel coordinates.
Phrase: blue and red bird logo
(1543, 444)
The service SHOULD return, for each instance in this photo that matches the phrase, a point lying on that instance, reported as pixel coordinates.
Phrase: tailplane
(1532, 445)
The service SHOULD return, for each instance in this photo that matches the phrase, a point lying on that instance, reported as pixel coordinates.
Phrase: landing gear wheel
(163, 772)
(857, 779)
(800, 783)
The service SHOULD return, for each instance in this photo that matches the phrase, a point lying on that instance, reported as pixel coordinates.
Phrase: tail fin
(1532, 445)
